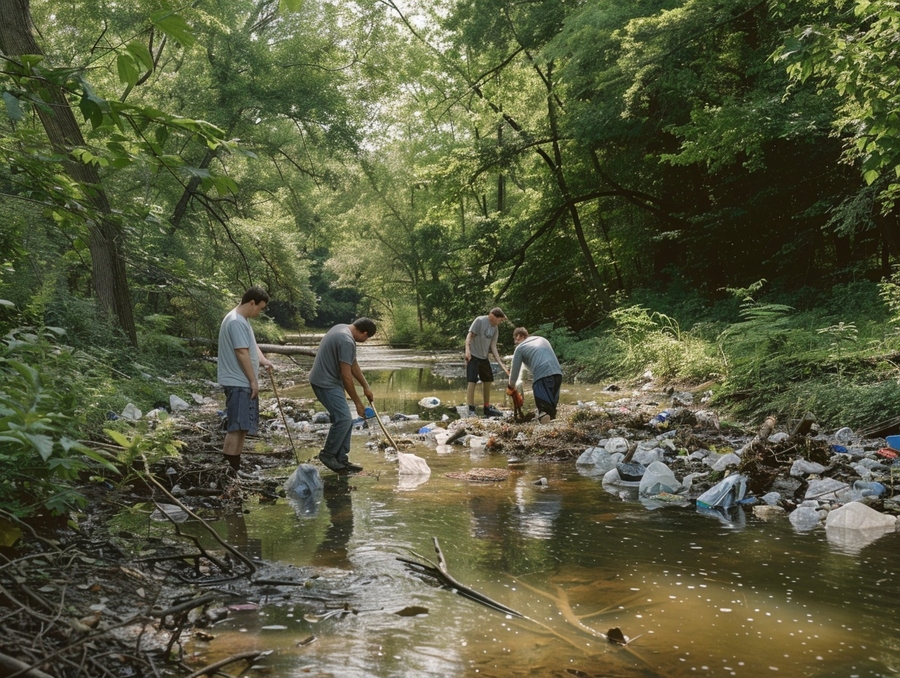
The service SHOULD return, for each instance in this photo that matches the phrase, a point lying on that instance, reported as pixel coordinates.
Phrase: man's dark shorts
(479, 368)
(242, 410)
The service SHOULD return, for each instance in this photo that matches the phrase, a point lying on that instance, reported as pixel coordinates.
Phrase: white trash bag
(304, 481)
(659, 478)
(411, 465)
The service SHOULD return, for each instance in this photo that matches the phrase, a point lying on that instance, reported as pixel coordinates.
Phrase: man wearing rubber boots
(537, 355)
(331, 377)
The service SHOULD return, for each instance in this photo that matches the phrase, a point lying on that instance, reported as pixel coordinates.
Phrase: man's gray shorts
(242, 410)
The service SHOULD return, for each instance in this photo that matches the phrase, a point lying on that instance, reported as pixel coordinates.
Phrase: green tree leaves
(856, 55)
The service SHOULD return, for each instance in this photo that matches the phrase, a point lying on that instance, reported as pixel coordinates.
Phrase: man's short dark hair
(366, 325)
(520, 332)
(498, 312)
(255, 293)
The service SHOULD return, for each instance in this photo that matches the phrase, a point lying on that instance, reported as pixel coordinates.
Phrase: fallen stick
(440, 572)
(212, 668)
(11, 665)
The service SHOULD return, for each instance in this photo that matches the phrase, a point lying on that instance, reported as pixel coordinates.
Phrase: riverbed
(692, 594)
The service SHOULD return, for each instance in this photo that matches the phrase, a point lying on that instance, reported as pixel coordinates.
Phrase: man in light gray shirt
(238, 368)
(332, 374)
(537, 355)
(481, 341)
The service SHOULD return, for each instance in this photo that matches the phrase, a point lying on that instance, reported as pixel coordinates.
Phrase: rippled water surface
(694, 594)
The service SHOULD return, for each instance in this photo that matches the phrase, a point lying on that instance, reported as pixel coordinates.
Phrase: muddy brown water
(694, 595)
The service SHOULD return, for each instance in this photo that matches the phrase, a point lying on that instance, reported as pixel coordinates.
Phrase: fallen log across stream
(280, 349)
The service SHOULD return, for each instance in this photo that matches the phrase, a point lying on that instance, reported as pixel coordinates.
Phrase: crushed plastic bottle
(661, 420)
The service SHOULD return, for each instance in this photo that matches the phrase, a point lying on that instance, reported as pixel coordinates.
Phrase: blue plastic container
(893, 442)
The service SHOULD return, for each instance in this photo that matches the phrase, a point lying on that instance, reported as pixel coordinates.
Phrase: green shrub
(40, 455)
(401, 328)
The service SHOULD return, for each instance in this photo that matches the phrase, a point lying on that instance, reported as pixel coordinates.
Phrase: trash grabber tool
(383, 429)
(283, 418)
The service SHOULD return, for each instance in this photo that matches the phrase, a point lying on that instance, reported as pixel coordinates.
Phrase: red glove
(517, 398)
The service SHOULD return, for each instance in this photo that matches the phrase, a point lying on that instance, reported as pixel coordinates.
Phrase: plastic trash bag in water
(304, 481)
(727, 492)
(659, 478)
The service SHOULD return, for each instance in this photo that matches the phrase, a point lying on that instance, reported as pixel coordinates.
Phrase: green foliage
(144, 445)
(855, 55)
(400, 327)
(40, 455)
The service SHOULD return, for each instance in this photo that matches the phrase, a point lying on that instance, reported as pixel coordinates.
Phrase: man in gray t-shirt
(537, 355)
(238, 368)
(331, 376)
(481, 341)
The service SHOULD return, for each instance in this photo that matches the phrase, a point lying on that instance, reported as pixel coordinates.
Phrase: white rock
(176, 404)
(771, 498)
(131, 413)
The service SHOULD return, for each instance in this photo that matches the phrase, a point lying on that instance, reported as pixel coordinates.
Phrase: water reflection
(239, 537)
(698, 594)
(332, 550)
(851, 542)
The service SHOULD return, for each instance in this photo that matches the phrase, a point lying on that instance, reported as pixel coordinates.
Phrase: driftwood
(281, 349)
(10, 665)
(616, 637)
(439, 572)
(251, 655)
(284, 349)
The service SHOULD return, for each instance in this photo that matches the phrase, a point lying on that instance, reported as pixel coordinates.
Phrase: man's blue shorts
(242, 410)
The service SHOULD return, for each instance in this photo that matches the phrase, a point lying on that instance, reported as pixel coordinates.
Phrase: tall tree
(105, 234)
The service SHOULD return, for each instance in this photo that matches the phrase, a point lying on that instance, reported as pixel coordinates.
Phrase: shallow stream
(695, 595)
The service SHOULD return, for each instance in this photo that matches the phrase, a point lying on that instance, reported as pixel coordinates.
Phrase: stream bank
(106, 596)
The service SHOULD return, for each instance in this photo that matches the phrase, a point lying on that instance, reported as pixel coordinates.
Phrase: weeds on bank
(54, 397)
(837, 358)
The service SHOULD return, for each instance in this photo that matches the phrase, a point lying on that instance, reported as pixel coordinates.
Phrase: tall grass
(833, 354)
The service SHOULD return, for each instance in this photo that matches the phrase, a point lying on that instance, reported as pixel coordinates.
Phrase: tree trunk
(105, 238)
